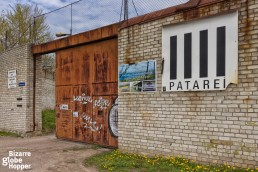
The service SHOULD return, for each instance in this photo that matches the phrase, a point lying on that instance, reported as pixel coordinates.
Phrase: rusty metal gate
(86, 85)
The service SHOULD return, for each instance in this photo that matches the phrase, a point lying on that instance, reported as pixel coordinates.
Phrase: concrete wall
(16, 104)
(206, 126)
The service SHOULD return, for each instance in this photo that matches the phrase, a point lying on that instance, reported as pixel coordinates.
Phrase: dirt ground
(49, 154)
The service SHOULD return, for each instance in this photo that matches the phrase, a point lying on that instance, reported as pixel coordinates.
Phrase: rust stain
(247, 29)
(188, 15)
(130, 44)
(246, 101)
(224, 6)
(160, 14)
(76, 129)
(222, 142)
(145, 119)
(99, 34)
(89, 69)
(127, 55)
(195, 13)
(189, 4)
(192, 4)
(104, 66)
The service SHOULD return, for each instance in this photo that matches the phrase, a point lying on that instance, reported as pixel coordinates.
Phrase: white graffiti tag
(89, 123)
(83, 99)
(101, 103)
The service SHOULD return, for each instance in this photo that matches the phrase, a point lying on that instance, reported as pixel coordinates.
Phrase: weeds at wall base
(48, 121)
(126, 162)
(9, 134)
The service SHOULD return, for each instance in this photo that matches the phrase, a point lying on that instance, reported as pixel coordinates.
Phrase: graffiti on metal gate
(83, 99)
(113, 119)
(89, 123)
(101, 103)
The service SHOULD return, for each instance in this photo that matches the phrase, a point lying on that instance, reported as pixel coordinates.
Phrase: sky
(89, 14)
(46, 5)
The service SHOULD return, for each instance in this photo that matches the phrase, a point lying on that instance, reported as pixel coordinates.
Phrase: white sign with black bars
(201, 55)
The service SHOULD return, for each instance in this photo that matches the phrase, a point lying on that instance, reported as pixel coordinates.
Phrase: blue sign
(21, 84)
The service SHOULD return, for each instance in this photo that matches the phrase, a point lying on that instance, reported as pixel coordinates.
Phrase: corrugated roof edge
(165, 12)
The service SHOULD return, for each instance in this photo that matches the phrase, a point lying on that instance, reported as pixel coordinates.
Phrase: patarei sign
(201, 55)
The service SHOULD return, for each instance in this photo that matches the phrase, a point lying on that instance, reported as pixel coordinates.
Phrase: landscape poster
(138, 77)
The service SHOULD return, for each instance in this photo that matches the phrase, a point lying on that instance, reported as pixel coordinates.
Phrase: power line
(121, 12)
(135, 8)
(92, 14)
(83, 15)
(58, 9)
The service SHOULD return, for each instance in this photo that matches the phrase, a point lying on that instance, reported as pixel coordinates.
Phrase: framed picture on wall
(138, 77)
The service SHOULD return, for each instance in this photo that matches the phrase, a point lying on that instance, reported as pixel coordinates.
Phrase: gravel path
(48, 154)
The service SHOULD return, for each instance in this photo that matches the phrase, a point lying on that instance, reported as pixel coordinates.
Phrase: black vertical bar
(203, 53)
(188, 55)
(173, 57)
(221, 51)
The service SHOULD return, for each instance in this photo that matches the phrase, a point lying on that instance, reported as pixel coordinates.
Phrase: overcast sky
(89, 14)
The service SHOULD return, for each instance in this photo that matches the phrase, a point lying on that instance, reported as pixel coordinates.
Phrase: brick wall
(17, 115)
(219, 126)
(48, 90)
(38, 94)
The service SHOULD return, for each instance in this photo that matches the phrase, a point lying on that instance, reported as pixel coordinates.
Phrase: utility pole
(71, 29)
(125, 10)
(126, 17)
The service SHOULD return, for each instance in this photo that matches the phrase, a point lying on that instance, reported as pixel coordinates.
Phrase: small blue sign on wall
(21, 84)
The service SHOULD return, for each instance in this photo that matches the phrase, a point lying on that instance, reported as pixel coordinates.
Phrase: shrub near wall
(48, 121)
(208, 126)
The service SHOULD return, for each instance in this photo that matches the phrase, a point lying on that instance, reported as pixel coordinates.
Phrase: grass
(48, 121)
(127, 162)
(9, 134)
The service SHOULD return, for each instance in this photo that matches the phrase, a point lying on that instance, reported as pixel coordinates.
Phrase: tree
(23, 23)
(3, 32)
(49, 62)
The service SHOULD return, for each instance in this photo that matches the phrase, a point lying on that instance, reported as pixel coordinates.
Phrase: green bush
(48, 121)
